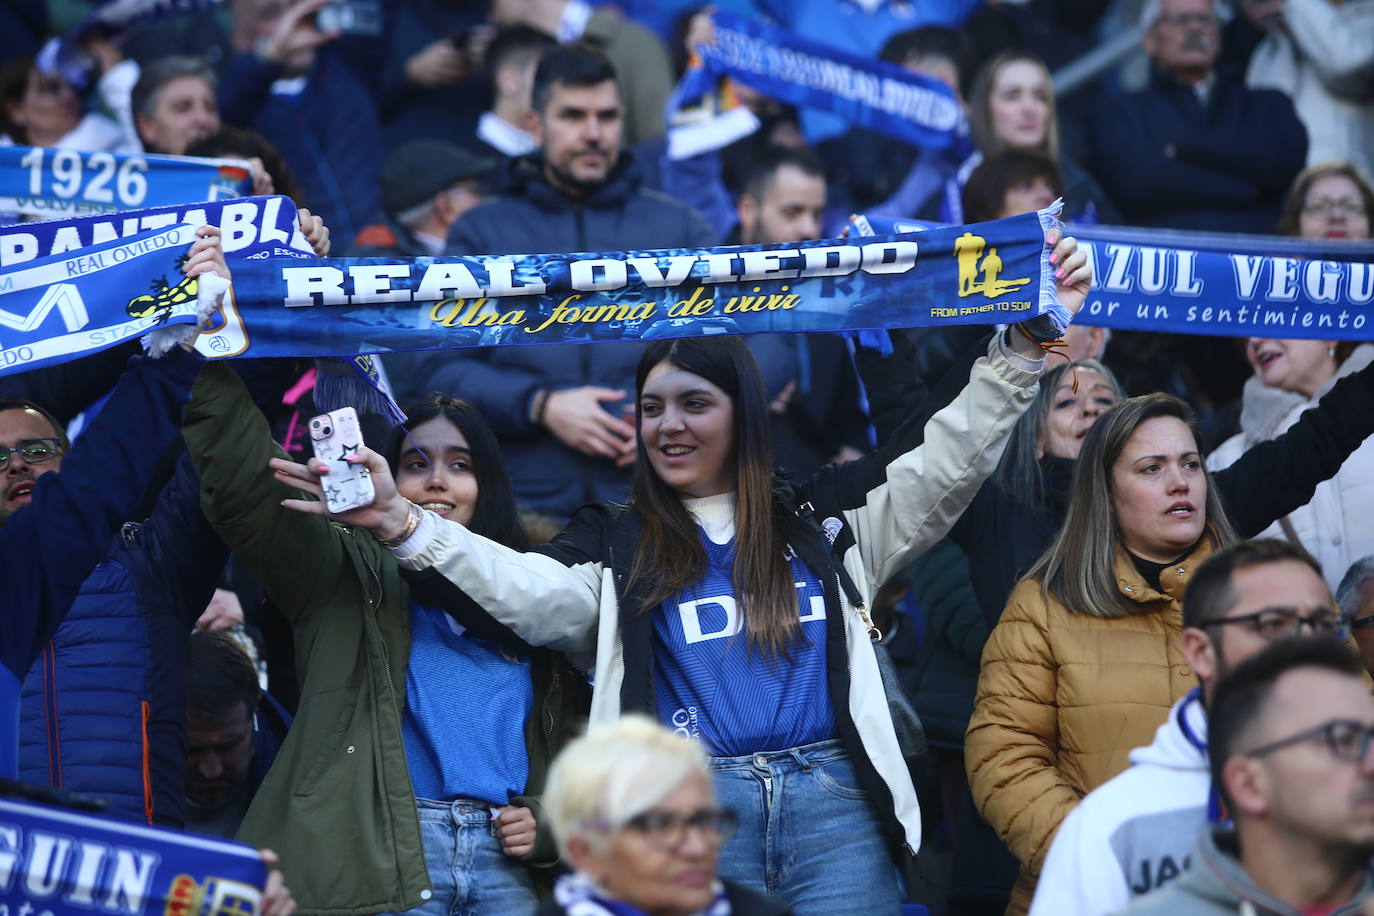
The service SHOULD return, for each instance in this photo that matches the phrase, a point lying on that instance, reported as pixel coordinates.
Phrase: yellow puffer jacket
(1063, 698)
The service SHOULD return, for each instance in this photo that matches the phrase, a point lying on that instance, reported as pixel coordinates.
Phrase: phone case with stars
(335, 436)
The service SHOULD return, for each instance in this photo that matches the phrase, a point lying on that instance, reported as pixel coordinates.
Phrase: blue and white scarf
(868, 93)
(1208, 283)
(37, 181)
(578, 895)
(65, 863)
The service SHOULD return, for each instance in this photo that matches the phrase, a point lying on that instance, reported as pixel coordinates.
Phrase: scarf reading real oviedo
(72, 302)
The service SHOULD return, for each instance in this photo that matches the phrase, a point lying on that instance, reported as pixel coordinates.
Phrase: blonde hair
(614, 772)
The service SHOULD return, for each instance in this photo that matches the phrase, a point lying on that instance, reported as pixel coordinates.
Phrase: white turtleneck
(715, 514)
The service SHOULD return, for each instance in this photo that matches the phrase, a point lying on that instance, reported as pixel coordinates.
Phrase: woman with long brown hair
(732, 605)
(1085, 663)
(1012, 107)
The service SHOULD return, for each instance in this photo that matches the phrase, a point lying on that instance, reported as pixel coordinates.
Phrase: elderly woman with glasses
(632, 807)
(1331, 201)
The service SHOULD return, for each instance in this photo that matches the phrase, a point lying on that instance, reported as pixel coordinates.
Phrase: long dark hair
(495, 515)
(670, 556)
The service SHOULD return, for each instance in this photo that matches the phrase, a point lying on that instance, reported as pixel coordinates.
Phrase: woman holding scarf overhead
(732, 606)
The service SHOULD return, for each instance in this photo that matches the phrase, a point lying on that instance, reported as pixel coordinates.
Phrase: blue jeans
(807, 833)
(469, 875)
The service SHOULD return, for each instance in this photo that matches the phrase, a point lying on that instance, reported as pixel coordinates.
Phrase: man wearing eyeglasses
(1290, 756)
(1197, 148)
(1135, 833)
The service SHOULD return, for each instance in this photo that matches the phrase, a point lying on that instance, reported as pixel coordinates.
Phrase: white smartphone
(335, 436)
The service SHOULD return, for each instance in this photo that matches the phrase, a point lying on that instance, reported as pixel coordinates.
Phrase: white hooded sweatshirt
(1135, 832)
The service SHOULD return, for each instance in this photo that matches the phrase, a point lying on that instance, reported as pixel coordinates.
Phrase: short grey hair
(1150, 13)
(615, 772)
(160, 72)
(1352, 583)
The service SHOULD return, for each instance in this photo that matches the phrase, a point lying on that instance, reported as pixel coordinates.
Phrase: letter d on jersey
(690, 611)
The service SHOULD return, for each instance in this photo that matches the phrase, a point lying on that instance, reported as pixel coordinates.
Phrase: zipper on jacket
(548, 705)
(374, 606)
(615, 599)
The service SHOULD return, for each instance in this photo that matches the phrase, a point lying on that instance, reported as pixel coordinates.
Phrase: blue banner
(983, 274)
(55, 862)
(865, 92)
(64, 55)
(37, 181)
(1203, 283)
(250, 227)
(66, 306)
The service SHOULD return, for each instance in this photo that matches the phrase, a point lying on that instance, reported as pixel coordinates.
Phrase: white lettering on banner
(502, 281)
(1247, 267)
(116, 880)
(240, 225)
(679, 268)
(791, 65)
(357, 284)
(690, 613)
(611, 273)
(64, 297)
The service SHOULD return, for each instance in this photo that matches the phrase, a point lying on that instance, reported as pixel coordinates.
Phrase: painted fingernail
(1059, 273)
(1054, 258)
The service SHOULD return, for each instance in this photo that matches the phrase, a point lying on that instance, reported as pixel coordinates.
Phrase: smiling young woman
(731, 604)
(419, 715)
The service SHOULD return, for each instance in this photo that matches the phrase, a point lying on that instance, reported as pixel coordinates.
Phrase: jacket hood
(1217, 878)
(523, 176)
(1266, 412)
(1181, 742)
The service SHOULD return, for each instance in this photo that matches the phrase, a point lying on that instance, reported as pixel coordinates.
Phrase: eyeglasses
(1183, 20)
(668, 829)
(31, 450)
(1346, 739)
(1280, 623)
(1322, 206)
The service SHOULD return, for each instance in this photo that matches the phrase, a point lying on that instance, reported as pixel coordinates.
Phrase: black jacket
(1003, 536)
(1167, 159)
(531, 216)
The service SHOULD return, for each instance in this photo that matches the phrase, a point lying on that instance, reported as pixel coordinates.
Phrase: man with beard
(1196, 149)
(562, 413)
(233, 732)
(1290, 757)
(1136, 832)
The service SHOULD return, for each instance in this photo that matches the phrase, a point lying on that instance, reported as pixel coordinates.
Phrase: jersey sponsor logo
(697, 627)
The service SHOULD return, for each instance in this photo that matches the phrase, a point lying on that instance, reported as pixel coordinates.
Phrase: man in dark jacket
(561, 412)
(234, 731)
(1197, 149)
(102, 712)
(55, 530)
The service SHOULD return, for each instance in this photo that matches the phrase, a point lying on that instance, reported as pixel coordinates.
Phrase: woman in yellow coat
(1084, 664)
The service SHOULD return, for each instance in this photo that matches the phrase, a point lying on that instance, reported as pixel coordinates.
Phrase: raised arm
(290, 553)
(906, 496)
(548, 597)
(1273, 478)
(50, 546)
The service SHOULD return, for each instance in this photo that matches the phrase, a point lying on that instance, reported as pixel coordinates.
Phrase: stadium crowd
(1120, 589)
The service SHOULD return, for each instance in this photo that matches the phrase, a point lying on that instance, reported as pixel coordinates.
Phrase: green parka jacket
(337, 805)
